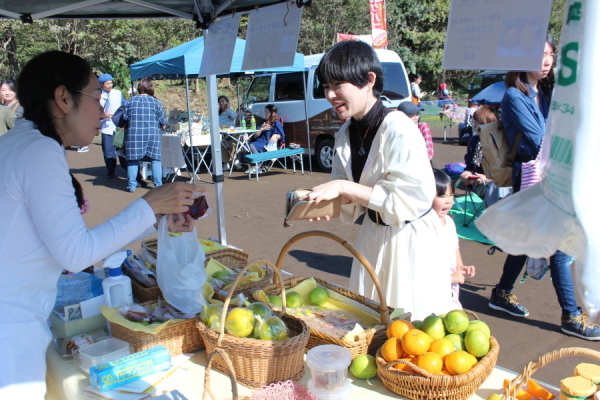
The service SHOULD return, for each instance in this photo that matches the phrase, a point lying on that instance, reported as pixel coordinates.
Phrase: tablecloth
(66, 381)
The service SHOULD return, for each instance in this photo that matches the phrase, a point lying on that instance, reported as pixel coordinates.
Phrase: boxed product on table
(129, 368)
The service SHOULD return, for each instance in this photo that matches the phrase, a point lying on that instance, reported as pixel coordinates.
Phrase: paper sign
(91, 307)
(219, 44)
(272, 37)
(496, 34)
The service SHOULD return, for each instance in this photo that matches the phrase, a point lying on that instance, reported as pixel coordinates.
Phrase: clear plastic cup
(328, 365)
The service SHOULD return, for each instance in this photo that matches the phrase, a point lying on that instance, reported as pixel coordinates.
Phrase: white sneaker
(83, 149)
(226, 167)
(252, 170)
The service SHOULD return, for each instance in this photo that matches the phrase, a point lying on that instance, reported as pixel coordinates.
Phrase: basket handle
(390, 367)
(383, 309)
(232, 289)
(232, 377)
(511, 391)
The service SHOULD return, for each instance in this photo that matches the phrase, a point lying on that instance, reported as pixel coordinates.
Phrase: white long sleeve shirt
(42, 232)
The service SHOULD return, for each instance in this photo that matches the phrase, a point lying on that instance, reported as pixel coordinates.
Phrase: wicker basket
(230, 371)
(181, 337)
(252, 287)
(367, 342)
(228, 257)
(259, 362)
(513, 387)
(427, 386)
(141, 292)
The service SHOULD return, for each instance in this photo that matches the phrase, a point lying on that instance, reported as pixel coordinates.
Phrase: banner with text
(496, 34)
(219, 44)
(347, 36)
(378, 23)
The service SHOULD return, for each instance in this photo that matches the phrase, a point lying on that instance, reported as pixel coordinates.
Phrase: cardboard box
(84, 325)
(130, 368)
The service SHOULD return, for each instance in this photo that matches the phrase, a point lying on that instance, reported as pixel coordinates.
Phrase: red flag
(348, 36)
(378, 23)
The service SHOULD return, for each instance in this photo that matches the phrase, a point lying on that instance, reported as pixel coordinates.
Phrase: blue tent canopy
(491, 95)
(184, 61)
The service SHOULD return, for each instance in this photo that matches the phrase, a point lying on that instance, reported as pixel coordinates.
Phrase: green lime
(275, 300)
(294, 299)
(364, 366)
(272, 328)
(318, 296)
(221, 274)
(260, 309)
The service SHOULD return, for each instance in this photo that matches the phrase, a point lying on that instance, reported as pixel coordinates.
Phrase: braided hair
(36, 86)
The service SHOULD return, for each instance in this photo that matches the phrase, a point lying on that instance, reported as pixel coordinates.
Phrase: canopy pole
(215, 148)
(306, 118)
(239, 107)
(192, 148)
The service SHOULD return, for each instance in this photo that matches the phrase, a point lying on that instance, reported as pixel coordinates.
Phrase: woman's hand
(172, 198)
(327, 191)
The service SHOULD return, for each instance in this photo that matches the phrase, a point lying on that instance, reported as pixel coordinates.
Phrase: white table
(241, 138)
(66, 381)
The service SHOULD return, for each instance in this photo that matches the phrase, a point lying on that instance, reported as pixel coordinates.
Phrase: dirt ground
(254, 222)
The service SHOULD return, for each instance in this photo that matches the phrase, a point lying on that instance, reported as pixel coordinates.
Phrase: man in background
(111, 99)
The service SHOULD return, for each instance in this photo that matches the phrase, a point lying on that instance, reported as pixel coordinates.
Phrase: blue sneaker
(578, 325)
(501, 300)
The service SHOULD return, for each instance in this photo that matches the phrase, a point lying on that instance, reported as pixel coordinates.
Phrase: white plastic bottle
(117, 287)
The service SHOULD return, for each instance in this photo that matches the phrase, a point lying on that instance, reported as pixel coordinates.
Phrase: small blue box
(130, 368)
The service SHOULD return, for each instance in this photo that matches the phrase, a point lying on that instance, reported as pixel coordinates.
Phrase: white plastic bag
(180, 269)
(271, 146)
(559, 213)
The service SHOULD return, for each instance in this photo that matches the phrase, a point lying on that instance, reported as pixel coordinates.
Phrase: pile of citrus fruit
(448, 344)
(255, 321)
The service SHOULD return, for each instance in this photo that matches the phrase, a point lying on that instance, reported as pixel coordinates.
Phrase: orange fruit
(537, 390)
(442, 346)
(444, 371)
(459, 362)
(416, 342)
(521, 394)
(398, 328)
(430, 362)
(405, 367)
(392, 349)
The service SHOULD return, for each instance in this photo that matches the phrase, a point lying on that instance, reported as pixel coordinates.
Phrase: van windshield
(395, 86)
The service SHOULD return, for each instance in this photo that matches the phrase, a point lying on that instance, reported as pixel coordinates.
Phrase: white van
(285, 90)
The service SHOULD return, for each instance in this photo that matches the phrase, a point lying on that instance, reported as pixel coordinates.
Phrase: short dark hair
(10, 83)
(518, 79)
(442, 182)
(146, 86)
(415, 77)
(351, 61)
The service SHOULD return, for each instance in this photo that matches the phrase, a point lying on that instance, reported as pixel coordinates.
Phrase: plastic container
(101, 352)
(328, 365)
(341, 393)
(117, 287)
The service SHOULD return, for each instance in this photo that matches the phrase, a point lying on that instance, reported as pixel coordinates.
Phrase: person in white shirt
(41, 228)
(111, 100)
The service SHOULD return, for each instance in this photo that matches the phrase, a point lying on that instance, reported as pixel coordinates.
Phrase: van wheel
(325, 155)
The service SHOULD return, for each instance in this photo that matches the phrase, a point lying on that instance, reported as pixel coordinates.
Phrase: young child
(442, 204)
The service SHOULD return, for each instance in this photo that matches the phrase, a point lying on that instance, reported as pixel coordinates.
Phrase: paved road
(254, 222)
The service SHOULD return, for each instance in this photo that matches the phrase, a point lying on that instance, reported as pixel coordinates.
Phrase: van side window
(318, 91)
(289, 87)
(259, 91)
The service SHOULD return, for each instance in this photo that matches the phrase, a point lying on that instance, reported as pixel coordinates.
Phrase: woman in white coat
(41, 228)
(381, 168)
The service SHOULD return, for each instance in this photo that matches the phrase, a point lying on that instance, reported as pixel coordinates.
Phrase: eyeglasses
(91, 95)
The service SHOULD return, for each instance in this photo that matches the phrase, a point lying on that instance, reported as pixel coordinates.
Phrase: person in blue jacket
(271, 131)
